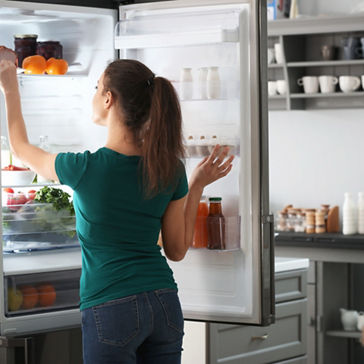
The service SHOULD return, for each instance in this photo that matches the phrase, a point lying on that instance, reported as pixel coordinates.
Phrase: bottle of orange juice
(200, 235)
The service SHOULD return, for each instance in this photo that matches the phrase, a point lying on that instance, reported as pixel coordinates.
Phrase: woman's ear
(108, 100)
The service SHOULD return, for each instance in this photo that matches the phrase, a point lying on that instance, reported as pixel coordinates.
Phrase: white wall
(315, 156)
(316, 7)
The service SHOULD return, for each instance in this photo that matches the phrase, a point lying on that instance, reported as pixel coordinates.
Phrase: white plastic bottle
(186, 84)
(43, 144)
(350, 224)
(202, 82)
(361, 213)
(213, 83)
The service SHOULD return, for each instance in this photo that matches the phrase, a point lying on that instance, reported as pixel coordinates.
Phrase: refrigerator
(214, 53)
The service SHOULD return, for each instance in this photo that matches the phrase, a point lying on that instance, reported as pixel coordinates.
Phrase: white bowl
(17, 178)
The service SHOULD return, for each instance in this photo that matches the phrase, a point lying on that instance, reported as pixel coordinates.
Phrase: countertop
(282, 264)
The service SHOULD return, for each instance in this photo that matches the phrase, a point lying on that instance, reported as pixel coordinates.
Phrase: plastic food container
(17, 178)
(37, 226)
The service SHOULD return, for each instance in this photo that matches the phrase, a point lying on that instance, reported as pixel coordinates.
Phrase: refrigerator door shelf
(161, 40)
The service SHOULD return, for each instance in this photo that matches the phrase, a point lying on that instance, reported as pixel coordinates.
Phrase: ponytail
(162, 144)
(151, 111)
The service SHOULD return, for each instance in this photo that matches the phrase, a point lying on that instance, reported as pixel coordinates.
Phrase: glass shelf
(321, 95)
(335, 63)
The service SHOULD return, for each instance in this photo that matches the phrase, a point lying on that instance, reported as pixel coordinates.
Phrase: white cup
(362, 81)
(282, 87)
(271, 57)
(349, 83)
(272, 88)
(278, 50)
(310, 84)
(328, 84)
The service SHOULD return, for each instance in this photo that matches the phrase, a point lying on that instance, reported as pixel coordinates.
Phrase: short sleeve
(182, 185)
(70, 167)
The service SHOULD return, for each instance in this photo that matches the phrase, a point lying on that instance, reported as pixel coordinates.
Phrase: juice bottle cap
(215, 199)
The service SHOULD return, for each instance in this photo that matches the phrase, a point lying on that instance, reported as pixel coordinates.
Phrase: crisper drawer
(239, 344)
(41, 292)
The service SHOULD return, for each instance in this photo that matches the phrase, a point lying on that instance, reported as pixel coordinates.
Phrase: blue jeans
(145, 328)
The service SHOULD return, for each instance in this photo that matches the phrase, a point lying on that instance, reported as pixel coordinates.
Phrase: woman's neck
(120, 139)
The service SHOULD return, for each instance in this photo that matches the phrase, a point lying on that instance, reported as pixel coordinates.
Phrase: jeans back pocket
(117, 321)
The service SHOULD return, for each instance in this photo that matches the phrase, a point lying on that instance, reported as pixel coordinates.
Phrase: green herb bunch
(57, 197)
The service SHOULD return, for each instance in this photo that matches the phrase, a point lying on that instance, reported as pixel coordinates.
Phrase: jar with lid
(300, 222)
(291, 220)
(25, 45)
(50, 49)
(215, 225)
(310, 221)
(320, 226)
(325, 208)
(200, 234)
(281, 221)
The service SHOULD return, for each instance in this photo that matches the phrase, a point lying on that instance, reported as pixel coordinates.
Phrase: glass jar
(281, 221)
(50, 49)
(310, 221)
(291, 220)
(300, 222)
(200, 233)
(25, 45)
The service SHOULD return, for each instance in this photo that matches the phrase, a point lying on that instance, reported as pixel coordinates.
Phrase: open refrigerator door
(41, 259)
(211, 51)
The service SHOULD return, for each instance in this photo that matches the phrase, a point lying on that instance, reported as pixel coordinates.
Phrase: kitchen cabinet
(301, 40)
(283, 342)
(335, 280)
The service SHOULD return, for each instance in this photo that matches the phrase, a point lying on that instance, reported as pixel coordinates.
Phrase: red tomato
(15, 200)
(11, 167)
(8, 190)
(31, 195)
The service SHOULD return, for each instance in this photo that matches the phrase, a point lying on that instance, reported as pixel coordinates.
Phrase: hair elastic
(150, 80)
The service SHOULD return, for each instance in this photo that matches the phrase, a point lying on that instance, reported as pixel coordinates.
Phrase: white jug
(349, 319)
(360, 324)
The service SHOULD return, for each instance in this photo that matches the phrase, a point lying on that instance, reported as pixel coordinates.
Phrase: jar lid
(215, 199)
(45, 42)
(22, 36)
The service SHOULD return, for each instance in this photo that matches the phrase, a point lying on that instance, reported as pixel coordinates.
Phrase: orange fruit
(34, 65)
(56, 66)
(30, 297)
(47, 295)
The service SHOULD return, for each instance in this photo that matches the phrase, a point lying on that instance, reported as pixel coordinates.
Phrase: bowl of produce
(16, 176)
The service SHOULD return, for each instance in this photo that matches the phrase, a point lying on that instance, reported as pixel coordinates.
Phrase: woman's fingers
(226, 163)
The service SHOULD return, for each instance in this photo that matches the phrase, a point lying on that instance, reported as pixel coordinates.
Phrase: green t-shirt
(117, 226)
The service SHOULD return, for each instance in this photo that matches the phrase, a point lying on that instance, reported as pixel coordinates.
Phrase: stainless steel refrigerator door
(227, 286)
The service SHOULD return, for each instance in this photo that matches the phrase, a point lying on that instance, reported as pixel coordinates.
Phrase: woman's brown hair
(152, 113)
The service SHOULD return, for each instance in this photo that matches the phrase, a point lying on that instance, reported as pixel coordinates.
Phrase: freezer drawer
(31, 294)
(257, 345)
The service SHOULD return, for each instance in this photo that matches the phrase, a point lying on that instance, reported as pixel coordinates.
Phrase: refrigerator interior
(60, 108)
(213, 285)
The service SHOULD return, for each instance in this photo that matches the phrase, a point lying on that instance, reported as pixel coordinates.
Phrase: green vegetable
(57, 197)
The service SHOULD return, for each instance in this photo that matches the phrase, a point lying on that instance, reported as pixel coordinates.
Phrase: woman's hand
(212, 168)
(8, 79)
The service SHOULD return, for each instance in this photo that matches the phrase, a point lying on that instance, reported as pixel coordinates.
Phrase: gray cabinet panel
(299, 360)
(290, 286)
(236, 344)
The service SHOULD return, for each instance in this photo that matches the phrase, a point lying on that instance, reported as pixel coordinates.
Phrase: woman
(124, 194)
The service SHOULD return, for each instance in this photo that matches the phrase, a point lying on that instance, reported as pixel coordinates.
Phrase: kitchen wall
(316, 156)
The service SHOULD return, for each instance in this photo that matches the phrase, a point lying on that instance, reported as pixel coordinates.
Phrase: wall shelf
(301, 40)
(344, 334)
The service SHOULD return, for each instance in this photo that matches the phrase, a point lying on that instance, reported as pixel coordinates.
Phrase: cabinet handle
(263, 337)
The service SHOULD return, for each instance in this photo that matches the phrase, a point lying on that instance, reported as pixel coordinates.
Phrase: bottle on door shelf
(5, 152)
(202, 82)
(213, 83)
(349, 215)
(200, 234)
(361, 213)
(215, 225)
(186, 84)
(43, 144)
